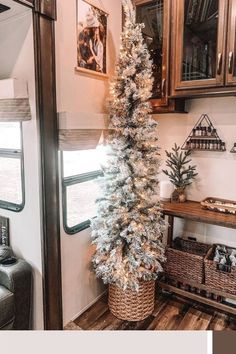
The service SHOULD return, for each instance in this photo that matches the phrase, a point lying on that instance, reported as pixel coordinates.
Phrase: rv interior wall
(216, 170)
(79, 93)
(17, 61)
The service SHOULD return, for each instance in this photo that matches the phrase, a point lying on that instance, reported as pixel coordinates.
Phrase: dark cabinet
(156, 17)
(203, 48)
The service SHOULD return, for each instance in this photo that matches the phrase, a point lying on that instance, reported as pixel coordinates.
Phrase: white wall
(79, 94)
(17, 61)
(217, 171)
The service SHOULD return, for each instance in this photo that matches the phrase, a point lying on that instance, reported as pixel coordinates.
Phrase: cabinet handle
(231, 60)
(219, 64)
(163, 88)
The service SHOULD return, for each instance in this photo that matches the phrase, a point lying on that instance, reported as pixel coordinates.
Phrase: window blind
(79, 139)
(15, 110)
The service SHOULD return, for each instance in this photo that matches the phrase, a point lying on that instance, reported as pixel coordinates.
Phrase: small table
(191, 210)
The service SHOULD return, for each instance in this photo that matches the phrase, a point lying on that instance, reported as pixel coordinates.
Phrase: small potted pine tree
(129, 226)
(180, 172)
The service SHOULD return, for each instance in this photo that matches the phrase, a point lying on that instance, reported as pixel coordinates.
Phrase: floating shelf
(204, 137)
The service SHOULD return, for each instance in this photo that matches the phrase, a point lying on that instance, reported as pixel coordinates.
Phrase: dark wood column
(44, 16)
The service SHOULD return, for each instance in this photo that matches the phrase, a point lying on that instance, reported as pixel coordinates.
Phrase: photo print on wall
(91, 38)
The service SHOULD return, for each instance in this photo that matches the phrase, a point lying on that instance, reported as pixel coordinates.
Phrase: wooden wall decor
(204, 137)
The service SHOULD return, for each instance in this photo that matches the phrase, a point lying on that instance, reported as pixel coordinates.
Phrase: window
(80, 187)
(11, 167)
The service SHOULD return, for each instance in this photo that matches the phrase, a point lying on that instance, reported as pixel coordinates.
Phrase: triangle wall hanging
(204, 137)
(233, 150)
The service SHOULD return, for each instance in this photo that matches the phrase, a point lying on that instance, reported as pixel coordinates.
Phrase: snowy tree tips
(129, 11)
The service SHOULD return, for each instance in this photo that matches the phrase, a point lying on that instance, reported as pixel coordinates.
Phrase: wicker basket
(222, 280)
(130, 305)
(186, 260)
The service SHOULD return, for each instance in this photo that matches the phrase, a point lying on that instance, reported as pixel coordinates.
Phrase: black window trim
(15, 154)
(70, 181)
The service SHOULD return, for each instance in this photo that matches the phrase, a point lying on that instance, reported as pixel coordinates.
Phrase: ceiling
(15, 10)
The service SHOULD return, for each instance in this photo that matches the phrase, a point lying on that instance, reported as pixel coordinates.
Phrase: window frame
(15, 154)
(70, 181)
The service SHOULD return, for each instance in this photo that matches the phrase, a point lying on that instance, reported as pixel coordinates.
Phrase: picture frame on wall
(92, 30)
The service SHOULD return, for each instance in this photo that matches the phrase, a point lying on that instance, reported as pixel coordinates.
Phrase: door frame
(44, 16)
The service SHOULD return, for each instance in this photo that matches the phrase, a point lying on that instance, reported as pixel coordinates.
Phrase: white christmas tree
(129, 226)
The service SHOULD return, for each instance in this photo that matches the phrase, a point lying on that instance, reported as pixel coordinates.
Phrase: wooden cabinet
(156, 17)
(231, 46)
(203, 48)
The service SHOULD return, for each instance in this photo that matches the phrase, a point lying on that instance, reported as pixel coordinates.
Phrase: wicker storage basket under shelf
(186, 260)
(130, 305)
(217, 279)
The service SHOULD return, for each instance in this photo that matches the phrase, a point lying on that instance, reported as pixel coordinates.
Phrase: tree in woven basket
(129, 226)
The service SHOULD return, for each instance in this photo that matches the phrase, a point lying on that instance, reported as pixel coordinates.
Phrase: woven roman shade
(15, 110)
(81, 130)
(79, 139)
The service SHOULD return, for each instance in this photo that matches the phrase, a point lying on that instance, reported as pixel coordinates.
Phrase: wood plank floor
(171, 313)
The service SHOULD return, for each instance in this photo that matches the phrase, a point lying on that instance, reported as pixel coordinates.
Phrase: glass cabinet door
(155, 16)
(231, 48)
(200, 37)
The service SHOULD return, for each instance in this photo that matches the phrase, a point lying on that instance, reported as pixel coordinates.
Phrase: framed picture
(92, 25)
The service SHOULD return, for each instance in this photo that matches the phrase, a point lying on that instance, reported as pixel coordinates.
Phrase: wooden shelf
(199, 298)
(193, 211)
(202, 287)
(204, 137)
(210, 150)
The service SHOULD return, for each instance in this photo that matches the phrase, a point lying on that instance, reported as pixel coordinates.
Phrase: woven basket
(218, 279)
(131, 305)
(186, 260)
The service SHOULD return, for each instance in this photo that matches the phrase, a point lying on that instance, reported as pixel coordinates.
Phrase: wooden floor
(171, 313)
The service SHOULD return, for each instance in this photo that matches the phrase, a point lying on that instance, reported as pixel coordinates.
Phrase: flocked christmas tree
(129, 227)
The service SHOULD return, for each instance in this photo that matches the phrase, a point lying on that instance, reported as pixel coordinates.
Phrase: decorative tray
(219, 205)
